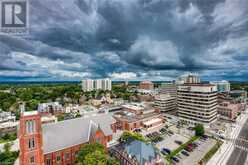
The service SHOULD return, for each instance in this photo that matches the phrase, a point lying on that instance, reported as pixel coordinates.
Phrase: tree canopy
(94, 154)
(7, 156)
(127, 135)
(199, 130)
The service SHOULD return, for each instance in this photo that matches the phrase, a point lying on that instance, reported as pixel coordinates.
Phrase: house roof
(61, 135)
(142, 151)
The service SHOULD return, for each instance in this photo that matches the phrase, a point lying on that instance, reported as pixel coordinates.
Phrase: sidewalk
(222, 155)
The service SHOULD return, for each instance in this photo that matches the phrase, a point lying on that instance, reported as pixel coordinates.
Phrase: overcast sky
(129, 39)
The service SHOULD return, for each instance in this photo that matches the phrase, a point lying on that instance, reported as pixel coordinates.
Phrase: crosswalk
(242, 148)
(240, 139)
(240, 143)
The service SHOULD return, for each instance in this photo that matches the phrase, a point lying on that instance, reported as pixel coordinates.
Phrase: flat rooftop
(136, 107)
(132, 117)
(30, 113)
(198, 84)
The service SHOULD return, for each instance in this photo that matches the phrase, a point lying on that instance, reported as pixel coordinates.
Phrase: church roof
(142, 151)
(64, 134)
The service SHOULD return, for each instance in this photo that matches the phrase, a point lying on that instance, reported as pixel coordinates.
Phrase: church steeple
(30, 138)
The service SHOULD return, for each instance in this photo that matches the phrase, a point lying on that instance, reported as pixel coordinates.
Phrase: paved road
(239, 154)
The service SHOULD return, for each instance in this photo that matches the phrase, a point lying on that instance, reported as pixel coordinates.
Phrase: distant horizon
(79, 81)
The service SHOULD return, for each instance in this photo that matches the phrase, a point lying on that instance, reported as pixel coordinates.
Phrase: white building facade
(191, 78)
(87, 85)
(99, 84)
(165, 103)
(168, 88)
(222, 86)
(197, 103)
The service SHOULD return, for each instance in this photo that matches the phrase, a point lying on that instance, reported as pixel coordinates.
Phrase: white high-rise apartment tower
(99, 84)
(87, 85)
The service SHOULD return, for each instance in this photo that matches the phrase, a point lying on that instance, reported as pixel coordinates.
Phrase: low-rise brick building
(229, 110)
(135, 116)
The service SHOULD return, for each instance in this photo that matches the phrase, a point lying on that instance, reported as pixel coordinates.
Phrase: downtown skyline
(129, 39)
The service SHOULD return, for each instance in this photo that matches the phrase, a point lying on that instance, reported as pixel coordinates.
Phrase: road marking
(246, 161)
(237, 157)
(242, 148)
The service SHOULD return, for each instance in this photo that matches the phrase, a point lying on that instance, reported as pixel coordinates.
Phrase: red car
(189, 148)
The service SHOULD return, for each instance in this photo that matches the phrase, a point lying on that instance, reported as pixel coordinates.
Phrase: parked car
(185, 153)
(189, 148)
(175, 159)
(167, 150)
(178, 142)
(194, 145)
(162, 130)
(205, 137)
(190, 128)
(164, 152)
(137, 130)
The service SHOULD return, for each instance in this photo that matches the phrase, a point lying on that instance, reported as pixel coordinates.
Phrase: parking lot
(169, 141)
(197, 154)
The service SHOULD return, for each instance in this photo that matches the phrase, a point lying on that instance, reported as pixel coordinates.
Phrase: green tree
(112, 161)
(89, 148)
(127, 135)
(95, 158)
(7, 147)
(7, 156)
(61, 117)
(199, 130)
(94, 154)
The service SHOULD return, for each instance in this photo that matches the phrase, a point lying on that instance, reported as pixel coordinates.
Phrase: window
(58, 158)
(67, 155)
(76, 153)
(32, 160)
(48, 162)
(98, 140)
(31, 143)
(30, 126)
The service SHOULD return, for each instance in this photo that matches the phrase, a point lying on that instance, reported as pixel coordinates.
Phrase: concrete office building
(146, 85)
(197, 103)
(222, 86)
(165, 103)
(168, 88)
(191, 78)
(99, 84)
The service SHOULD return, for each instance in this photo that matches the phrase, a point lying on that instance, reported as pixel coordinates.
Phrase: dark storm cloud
(153, 38)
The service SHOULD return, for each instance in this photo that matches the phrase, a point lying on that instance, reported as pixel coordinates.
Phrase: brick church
(59, 143)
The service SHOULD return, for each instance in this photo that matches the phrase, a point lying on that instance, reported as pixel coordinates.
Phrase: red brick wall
(130, 126)
(64, 160)
(25, 152)
(99, 137)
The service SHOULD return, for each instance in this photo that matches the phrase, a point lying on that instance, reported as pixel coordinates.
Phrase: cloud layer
(129, 39)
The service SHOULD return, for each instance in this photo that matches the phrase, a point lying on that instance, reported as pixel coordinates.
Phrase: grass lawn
(212, 151)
